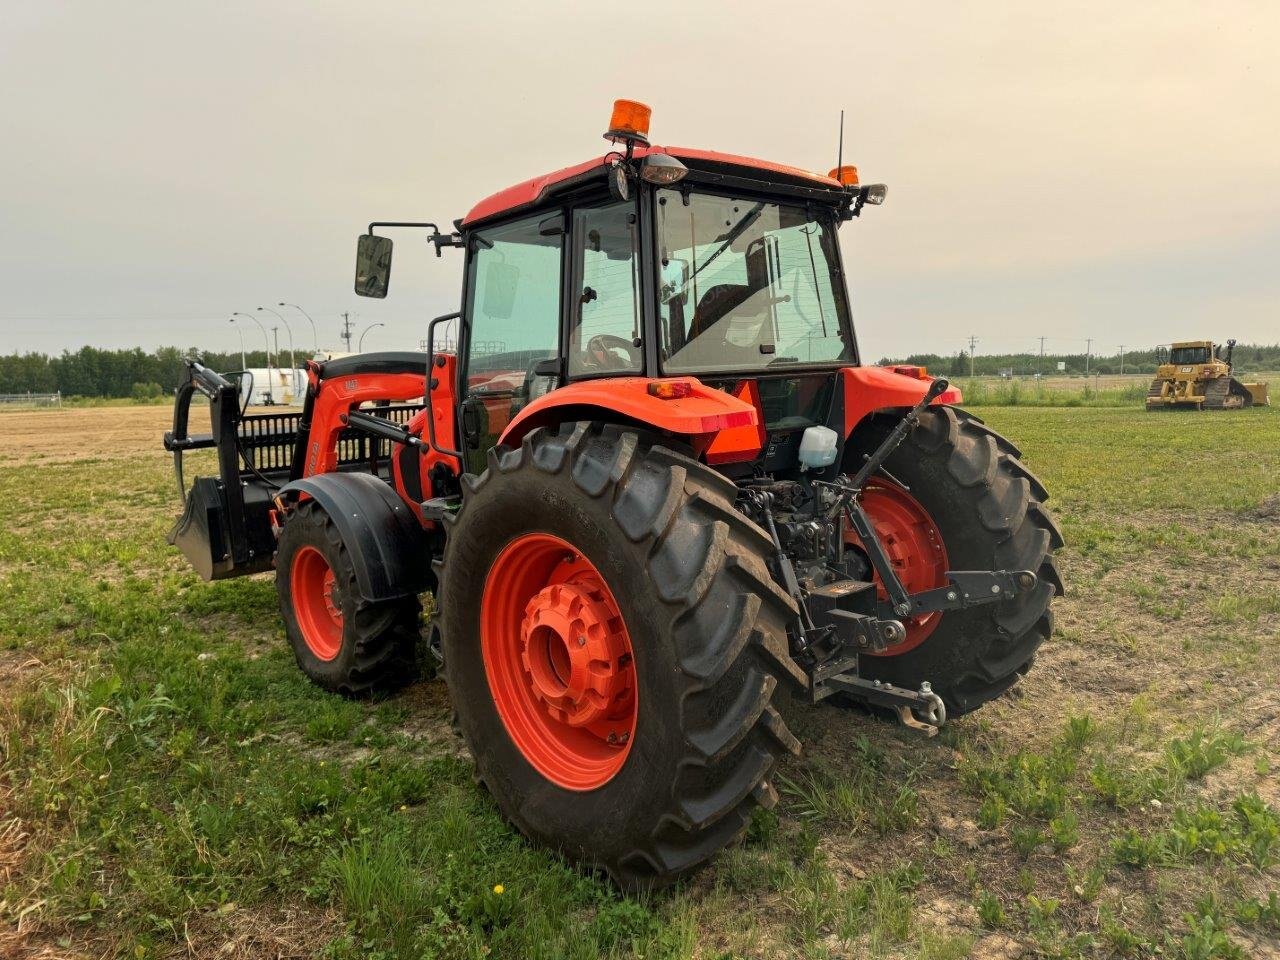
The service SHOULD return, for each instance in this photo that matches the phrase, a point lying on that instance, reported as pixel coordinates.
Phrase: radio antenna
(840, 151)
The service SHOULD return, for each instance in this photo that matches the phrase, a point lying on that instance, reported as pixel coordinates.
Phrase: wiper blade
(737, 230)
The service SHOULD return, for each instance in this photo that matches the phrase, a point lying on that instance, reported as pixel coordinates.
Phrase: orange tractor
(651, 487)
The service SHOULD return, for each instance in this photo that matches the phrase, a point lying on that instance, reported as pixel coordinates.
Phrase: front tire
(681, 588)
(342, 642)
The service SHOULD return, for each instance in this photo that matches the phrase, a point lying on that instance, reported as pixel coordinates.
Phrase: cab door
(512, 309)
(604, 336)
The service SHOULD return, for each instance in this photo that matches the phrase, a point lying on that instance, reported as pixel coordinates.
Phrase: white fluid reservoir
(818, 448)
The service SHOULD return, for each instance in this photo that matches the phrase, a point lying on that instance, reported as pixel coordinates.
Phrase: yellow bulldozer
(1198, 374)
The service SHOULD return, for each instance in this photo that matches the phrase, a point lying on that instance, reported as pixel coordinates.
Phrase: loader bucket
(204, 531)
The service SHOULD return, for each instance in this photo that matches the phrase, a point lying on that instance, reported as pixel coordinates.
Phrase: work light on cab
(662, 169)
(874, 193)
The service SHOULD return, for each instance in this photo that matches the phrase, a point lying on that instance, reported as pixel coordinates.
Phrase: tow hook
(929, 716)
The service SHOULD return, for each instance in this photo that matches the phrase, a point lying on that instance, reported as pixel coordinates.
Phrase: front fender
(868, 389)
(700, 416)
(388, 547)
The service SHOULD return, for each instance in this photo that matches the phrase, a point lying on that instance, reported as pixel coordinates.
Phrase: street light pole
(244, 364)
(315, 340)
(293, 365)
(360, 343)
(267, 342)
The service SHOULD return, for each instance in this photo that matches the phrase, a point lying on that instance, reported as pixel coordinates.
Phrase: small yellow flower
(498, 888)
(403, 807)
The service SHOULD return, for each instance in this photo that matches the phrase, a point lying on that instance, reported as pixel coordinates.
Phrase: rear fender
(390, 550)
(868, 389)
(699, 417)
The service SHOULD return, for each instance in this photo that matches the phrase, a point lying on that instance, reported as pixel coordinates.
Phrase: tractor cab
(653, 262)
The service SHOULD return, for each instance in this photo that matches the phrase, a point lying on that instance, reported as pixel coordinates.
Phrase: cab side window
(604, 331)
(513, 304)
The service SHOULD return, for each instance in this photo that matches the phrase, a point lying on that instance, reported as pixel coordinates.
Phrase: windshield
(1189, 355)
(747, 284)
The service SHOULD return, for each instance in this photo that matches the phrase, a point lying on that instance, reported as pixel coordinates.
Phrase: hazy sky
(1076, 170)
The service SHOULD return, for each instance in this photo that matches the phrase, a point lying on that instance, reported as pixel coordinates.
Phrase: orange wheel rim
(559, 661)
(316, 603)
(915, 548)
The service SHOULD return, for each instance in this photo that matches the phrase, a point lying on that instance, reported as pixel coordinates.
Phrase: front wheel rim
(559, 661)
(316, 603)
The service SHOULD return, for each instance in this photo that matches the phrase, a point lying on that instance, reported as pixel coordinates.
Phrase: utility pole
(346, 330)
(1040, 362)
(1088, 349)
(973, 342)
(1122, 359)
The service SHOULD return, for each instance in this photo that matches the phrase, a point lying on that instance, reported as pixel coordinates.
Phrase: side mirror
(373, 265)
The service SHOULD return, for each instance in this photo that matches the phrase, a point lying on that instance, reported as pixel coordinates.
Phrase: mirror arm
(438, 238)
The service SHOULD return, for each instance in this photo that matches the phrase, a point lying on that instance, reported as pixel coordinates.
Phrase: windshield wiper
(737, 230)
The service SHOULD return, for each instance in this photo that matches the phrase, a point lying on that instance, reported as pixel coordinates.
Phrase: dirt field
(43, 436)
(171, 787)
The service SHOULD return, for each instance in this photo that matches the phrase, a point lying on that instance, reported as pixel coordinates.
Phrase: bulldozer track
(1218, 395)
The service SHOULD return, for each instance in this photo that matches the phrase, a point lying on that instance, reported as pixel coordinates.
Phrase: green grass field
(171, 786)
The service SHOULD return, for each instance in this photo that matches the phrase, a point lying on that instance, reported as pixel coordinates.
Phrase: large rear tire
(650, 754)
(341, 641)
(987, 510)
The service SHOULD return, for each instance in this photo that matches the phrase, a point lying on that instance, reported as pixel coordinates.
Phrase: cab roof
(531, 191)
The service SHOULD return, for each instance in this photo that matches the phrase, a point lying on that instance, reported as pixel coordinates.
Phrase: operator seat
(715, 305)
(389, 361)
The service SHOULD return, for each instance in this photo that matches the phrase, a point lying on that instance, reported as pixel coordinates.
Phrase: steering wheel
(599, 354)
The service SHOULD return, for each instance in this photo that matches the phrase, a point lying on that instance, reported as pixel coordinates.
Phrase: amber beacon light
(630, 122)
(847, 175)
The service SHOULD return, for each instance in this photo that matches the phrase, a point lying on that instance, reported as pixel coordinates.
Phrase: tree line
(93, 372)
(1247, 357)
